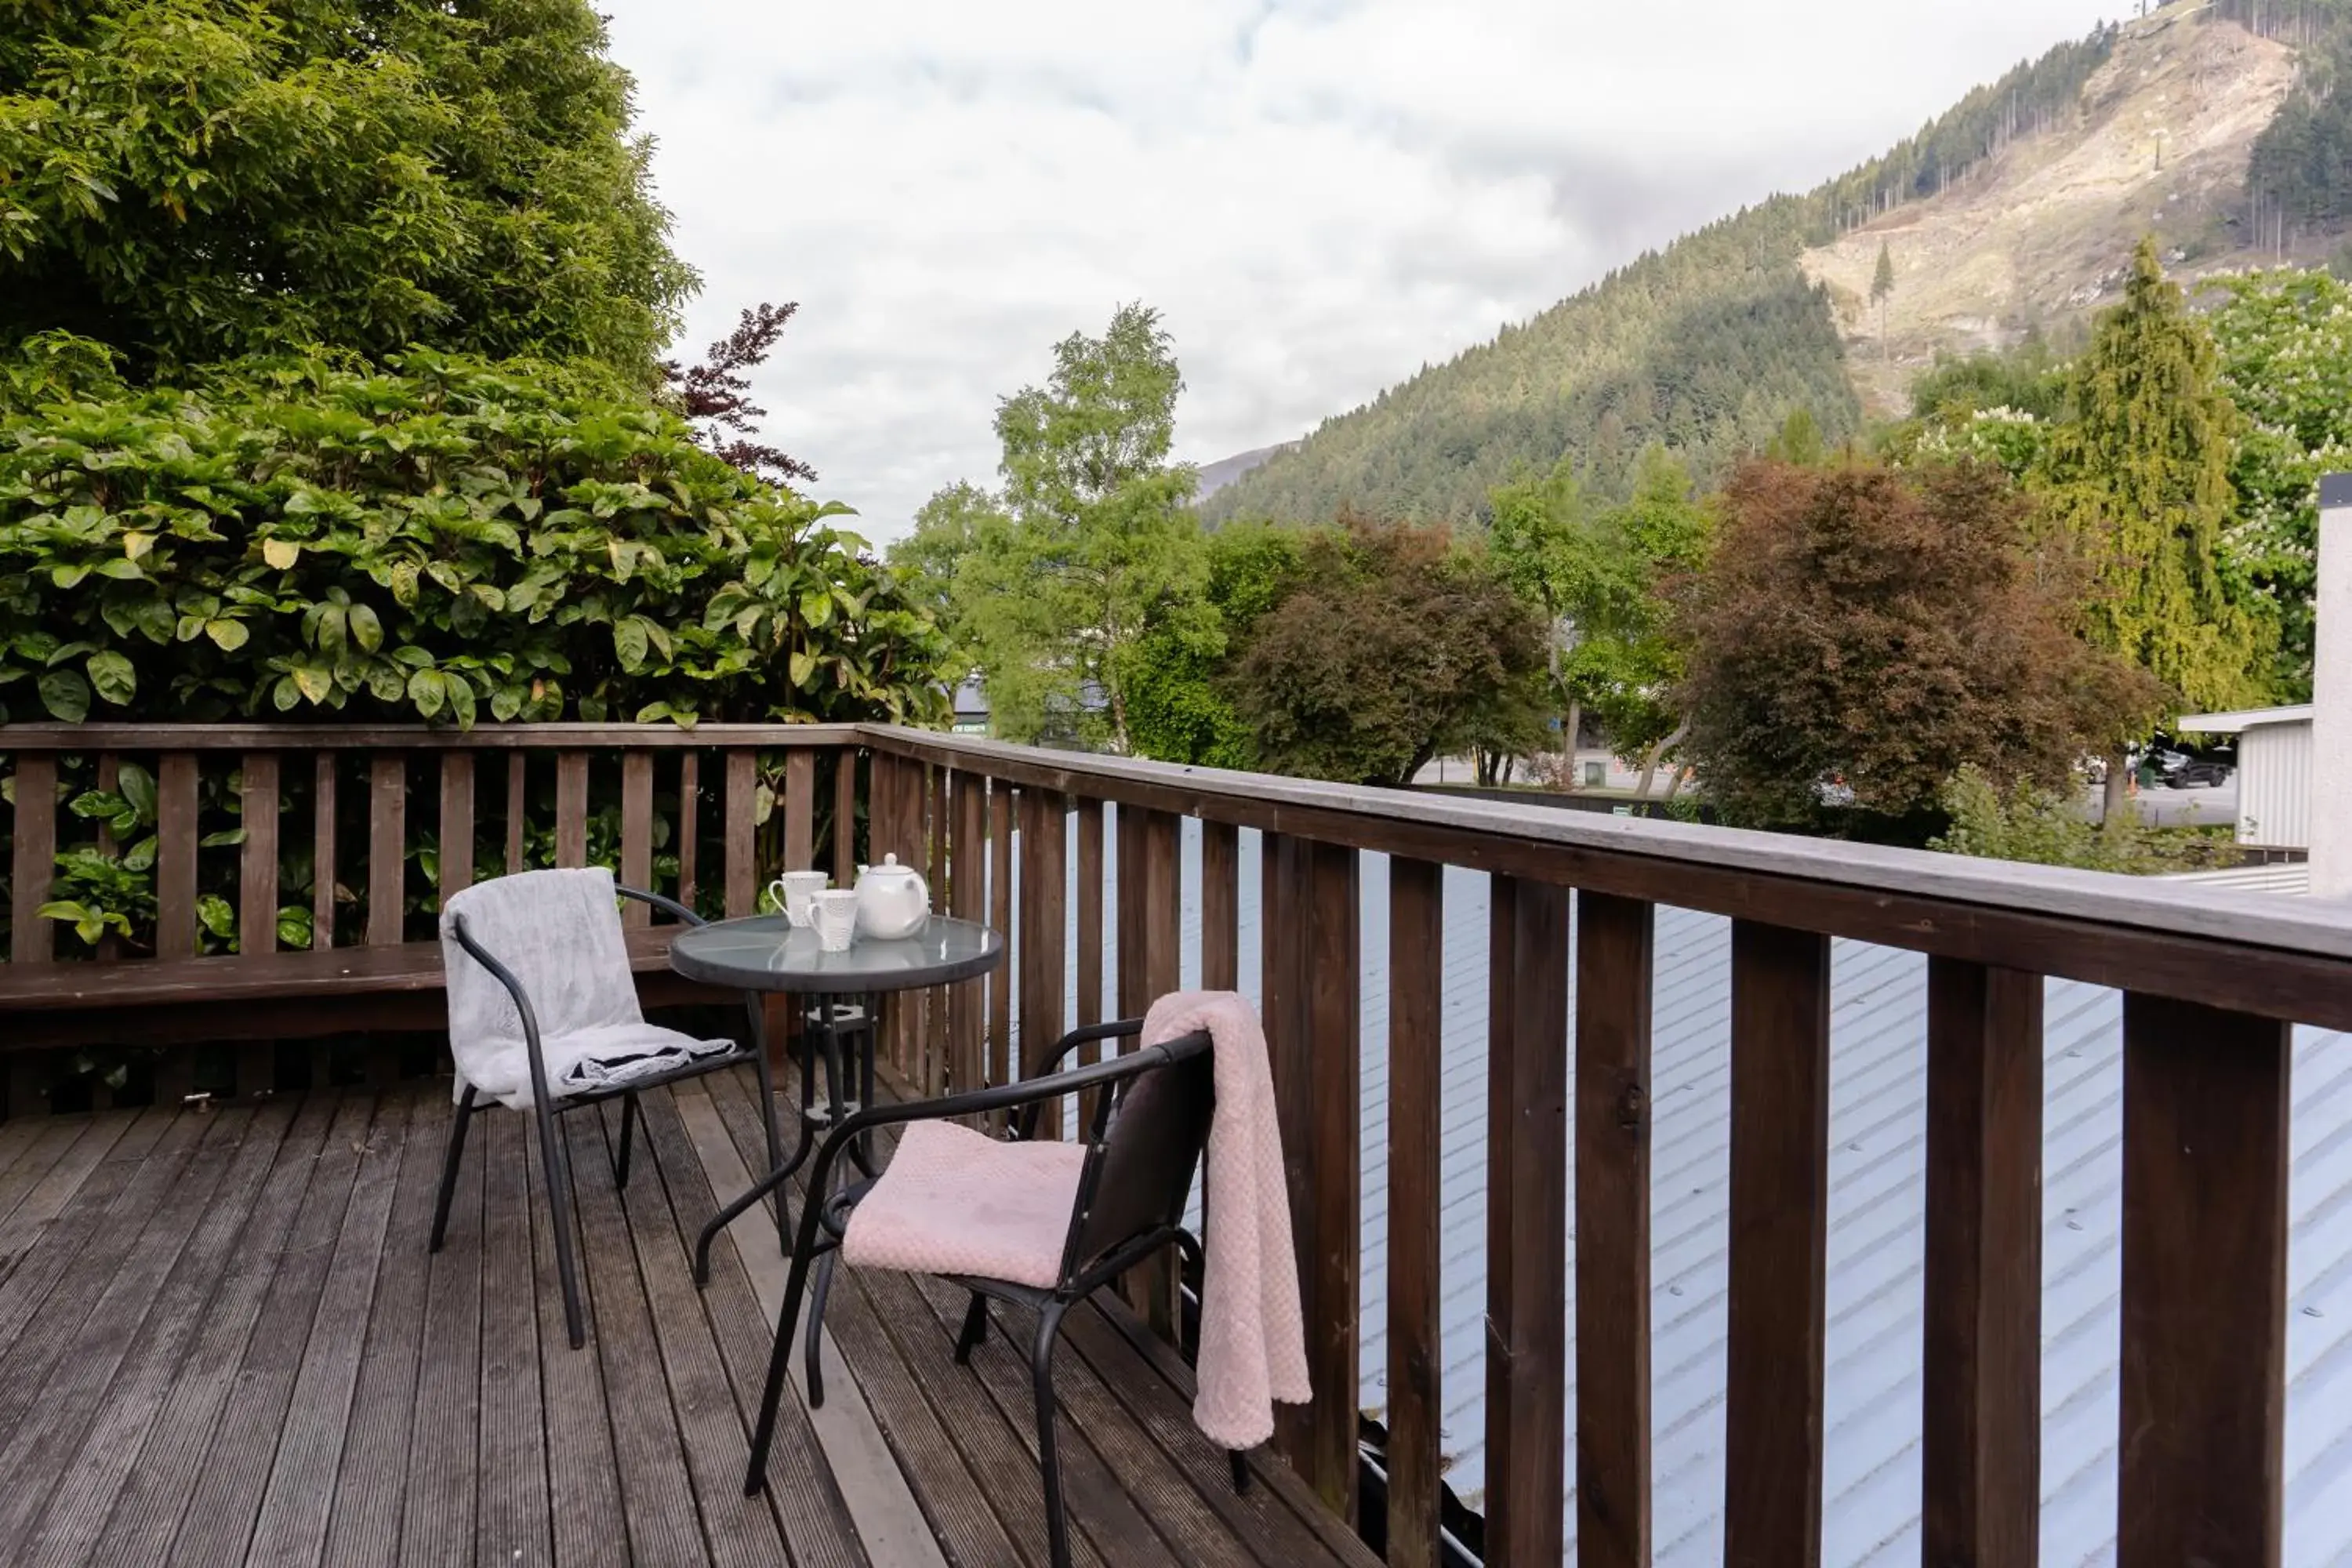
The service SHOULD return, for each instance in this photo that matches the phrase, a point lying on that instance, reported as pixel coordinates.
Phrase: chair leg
(559, 1207)
(449, 1167)
(628, 1134)
(1241, 1470)
(817, 1299)
(1049, 1463)
(772, 1396)
(975, 1328)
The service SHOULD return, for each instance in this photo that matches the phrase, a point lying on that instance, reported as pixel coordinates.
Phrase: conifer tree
(2139, 473)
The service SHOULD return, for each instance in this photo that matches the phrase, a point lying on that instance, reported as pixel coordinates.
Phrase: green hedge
(441, 538)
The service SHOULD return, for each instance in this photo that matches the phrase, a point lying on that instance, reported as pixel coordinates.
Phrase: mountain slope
(2015, 209)
(2040, 239)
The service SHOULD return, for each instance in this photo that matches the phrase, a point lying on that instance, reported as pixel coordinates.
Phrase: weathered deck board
(227, 1343)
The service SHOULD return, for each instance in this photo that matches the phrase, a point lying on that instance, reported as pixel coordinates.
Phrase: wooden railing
(2211, 990)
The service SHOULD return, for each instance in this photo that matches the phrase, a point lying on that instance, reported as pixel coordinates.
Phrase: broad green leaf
(428, 692)
(69, 575)
(281, 554)
(366, 630)
(140, 857)
(227, 635)
(216, 915)
(803, 667)
(223, 839)
(138, 787)
(136, 546)
(629, 643)
(65, 695)
(313, 682)
(113, 677)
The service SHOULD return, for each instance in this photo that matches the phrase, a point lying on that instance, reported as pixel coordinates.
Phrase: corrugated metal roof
(1877, 1154)
(2288, 878)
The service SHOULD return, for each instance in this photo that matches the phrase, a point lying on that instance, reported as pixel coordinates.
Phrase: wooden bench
(667, 805)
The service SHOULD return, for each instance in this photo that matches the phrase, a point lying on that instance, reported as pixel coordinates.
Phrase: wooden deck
(222, 1341)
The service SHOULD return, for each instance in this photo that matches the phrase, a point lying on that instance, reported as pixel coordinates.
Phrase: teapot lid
(889, 868)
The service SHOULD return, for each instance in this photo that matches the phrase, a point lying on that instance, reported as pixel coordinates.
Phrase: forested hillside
(1708, 346)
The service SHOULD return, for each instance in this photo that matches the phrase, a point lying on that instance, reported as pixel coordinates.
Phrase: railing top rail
(2100, 926)
(103, 737)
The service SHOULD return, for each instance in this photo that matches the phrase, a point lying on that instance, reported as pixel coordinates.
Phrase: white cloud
(1320, 195)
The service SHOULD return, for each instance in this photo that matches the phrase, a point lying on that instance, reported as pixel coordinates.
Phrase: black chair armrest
(660, 902)
(1117, 1028)
(505, 977)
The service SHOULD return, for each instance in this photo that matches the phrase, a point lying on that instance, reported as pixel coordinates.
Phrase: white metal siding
(2274, 785)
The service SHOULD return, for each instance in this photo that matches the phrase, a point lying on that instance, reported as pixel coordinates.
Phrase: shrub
(444, 538)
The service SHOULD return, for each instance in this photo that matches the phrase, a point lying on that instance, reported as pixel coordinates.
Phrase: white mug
(792, 890)
(834, 916)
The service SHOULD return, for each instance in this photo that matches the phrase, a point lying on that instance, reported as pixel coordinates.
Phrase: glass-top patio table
(767, 953)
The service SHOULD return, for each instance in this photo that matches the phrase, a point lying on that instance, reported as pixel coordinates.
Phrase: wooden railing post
(572, 808)
(1614, 964)
(33, 871)
(742, 888)
(637, 834)
(256, 900)
(1980, 1446)
(800, 810)
(1150, 892)
(845, 817)
(1779, 1241)
(457, 824)
(175, 855)
(387, 848)
(1527, 1221)
(2204, 1286)
(1417, 1059)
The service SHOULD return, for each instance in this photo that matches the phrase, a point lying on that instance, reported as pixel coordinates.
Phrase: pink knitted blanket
(1252, 1333)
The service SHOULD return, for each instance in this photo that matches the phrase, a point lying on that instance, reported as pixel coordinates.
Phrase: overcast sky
(1320, 195)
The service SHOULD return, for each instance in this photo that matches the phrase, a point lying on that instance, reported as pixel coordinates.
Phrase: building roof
(1878, 1130)
(2243, 718)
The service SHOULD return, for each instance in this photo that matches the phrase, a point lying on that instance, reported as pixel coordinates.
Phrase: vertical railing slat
(1613, 980)
(387, 848)
(1090, 930)
(1220, 914)
(323, 850)
(1779, 1237)
(34, 861)
(1151, 963)
(968, 901)
(1527, 1220)
(109, 946)
(934, 1028)
(1043, 933)
(257, 893)
(2204, 1285)
(518, 808)
(741, 806)
(1980, 1449)
(1000, 920)
(1416, 1056)
(457, 824)
(690, 823)
(638, 832)
(572, 808)
(799, 809)
(845, 816)
(1283, 899)
(175, 855)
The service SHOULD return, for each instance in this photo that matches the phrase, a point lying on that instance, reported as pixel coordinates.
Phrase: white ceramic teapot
(893, 900)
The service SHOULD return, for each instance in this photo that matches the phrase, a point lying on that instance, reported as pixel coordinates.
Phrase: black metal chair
(546, 1106)
(1149, 1129)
